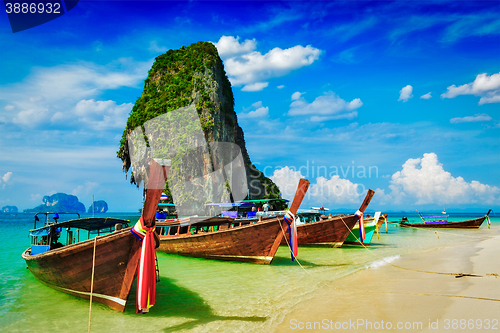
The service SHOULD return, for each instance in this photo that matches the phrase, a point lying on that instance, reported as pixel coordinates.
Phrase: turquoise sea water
(200, 295)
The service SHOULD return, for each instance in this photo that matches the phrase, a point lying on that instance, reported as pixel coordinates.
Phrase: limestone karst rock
(193, 78)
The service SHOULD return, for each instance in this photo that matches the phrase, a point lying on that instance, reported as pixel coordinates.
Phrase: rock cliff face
(100, 206)
(59, 203)
(194, 77)
(9, 209)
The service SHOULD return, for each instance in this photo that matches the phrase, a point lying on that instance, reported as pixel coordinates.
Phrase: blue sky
(406, 94)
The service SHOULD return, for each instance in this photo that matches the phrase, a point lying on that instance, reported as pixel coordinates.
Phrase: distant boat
(333, 231)
(444, 210)
(441, 221)
(68, 267)
(321, 209)
(380, 220)
(226, 238)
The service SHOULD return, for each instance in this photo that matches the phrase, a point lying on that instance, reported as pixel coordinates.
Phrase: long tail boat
(68, 267)
(102, 267)
(382, 218)
(441, 221)
(228, 239)
(332, 231)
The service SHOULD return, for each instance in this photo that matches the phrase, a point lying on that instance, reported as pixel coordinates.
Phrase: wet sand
(388, 298)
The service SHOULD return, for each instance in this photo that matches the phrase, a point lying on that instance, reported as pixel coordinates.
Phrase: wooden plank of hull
(332, 231)
(257, 242)
(468, 224)
(69, 269)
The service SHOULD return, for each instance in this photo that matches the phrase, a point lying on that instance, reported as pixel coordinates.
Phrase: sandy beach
(410, 297)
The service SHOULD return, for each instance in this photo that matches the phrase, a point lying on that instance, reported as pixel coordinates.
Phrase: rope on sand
(437, 295)
(457, 275)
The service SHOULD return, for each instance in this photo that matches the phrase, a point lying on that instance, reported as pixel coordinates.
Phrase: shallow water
(200, 295)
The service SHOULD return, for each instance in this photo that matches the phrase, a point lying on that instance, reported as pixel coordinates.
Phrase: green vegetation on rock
(195, 76)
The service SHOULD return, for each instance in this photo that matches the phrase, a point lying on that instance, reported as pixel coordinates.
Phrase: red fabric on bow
(146, 276)
(359, 214)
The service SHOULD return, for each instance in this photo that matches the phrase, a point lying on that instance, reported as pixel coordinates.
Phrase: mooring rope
(92, 283)
(289, 247)
(436, 295)
(458, 275)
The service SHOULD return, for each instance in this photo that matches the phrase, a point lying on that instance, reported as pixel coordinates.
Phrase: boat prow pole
(366, 202)
(157, 176)
(299, 195)
(289, 217)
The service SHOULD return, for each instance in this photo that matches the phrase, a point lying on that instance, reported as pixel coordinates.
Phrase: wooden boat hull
(369, 231)
(467, 224)
(332, 231)
(255, 242)
(69, 269)
(381, 220)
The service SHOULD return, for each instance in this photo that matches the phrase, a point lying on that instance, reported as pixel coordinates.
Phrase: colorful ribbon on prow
(488, 220)
(146, 276)
(359, 214)
(292, 233)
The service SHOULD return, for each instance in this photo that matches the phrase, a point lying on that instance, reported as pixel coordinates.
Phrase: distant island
(9, 209)
(100, 206)
(59, 202)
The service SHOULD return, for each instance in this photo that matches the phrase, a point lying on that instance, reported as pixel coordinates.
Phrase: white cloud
(9, 107)
(464, 26)
(491, 97)
(287, 180)
(280, 86)
(424, 181)
(98, 115)
(426, 96)
(488, 87)
(344, 32)
(259, 112)
(85, 189)
(325, 191)
(36, 99)
(296, 95)
(7, 177)
(406, 93)
(153, 47)
(471, 119)
(252, 69)
(228, 46)
(325, 107)
(335, 190)
(257, 86)
(51, 91)
(32, 117)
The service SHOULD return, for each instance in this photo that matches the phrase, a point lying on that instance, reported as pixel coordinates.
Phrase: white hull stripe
(111, 298)
(334, 244)
(243, 257)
